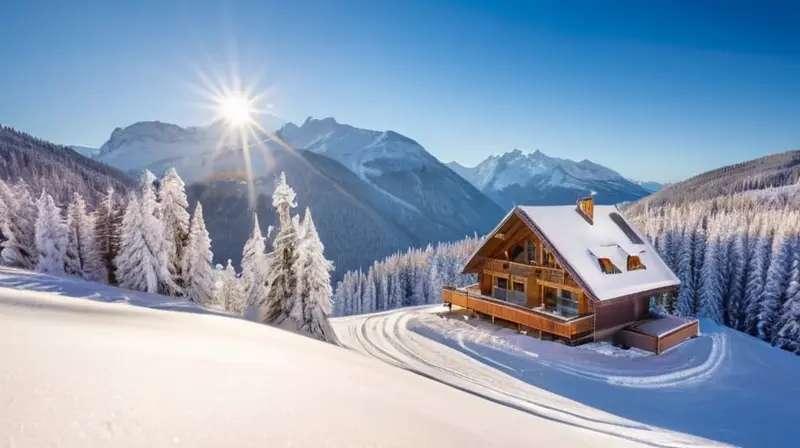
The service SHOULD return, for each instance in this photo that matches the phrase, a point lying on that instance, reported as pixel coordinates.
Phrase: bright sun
(236, 109)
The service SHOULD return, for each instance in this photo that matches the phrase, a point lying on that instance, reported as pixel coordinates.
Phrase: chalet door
(500, 290)
(517, 294)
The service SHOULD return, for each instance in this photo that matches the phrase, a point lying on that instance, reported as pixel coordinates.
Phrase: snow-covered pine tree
(81, 258)
(175, 218)
(107, 229)
(684, 305)
(738, 268)
(231, 297)
(787, 334)
(198, 274)
(370, 292)
(756, 278)
(772, 298)
(143, 259)
(313, 304)
(276, 306)
(51, 236)
(254, 282)
(19, 226)
(711, 283)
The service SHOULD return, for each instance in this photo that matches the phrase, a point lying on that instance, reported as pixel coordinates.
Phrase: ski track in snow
(386, 336)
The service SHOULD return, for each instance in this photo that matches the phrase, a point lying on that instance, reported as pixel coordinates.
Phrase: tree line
(410, 278)
(147, 241)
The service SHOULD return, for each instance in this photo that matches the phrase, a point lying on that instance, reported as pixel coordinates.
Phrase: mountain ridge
(516, 177)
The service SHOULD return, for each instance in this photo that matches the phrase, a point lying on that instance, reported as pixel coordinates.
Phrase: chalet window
(531, 249)
(501, 283)
(634, 263)
(519, 287)
(608, 267)
(517, 253)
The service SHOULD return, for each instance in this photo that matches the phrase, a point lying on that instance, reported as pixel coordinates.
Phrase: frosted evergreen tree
(107, 219)
(738, 262)
(759, 263)
(382, 287)
(254, 281)
(370, 292)
(314, 295)
(685, 300)
(434, 281)
(175, 218)
(711, 293)
(231, 295)
(81, 258)
(198, 275)
(51, 236)
(143, 259)
(276, 306)
(698, 258)
(787, 332)
(19, 226)
(777, 282)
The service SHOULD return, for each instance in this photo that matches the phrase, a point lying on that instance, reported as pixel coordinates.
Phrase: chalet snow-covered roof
(581, 244)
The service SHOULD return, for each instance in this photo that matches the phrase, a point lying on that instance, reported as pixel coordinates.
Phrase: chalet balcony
(571, 329)
(543, 274)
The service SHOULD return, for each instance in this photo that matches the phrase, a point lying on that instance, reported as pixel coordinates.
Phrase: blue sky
(654, 89)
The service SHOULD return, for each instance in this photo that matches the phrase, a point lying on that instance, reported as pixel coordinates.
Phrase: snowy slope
(706, 391)
(84, 150)
(83, 373)
(537, 179)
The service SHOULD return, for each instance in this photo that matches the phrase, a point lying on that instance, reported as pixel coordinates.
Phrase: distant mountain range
(773, 174)
(536, 179)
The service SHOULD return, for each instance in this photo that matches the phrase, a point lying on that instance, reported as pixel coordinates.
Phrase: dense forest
(738, 260)
(57, 169)
(410, 278)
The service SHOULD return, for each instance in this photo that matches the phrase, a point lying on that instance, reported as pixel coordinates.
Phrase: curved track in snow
(386, 336)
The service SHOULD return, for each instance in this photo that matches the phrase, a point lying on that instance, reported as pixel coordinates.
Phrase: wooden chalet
(574, 273)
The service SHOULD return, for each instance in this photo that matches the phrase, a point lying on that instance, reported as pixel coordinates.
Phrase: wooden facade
(522, 279)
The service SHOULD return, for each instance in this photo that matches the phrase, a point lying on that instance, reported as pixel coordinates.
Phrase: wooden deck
(471, 299)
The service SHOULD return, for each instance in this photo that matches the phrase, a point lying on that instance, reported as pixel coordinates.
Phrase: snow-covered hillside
(82, 373)
(537, 179)
(84, 150)
(723, 387)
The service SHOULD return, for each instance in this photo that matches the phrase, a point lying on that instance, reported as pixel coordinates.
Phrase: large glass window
(531, 252)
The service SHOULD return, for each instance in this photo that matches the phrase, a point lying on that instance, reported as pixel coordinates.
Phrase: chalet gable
(605, 255)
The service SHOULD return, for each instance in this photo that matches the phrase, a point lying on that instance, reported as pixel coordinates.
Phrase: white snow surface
(699, 393)
(78, 372)
(576, 240)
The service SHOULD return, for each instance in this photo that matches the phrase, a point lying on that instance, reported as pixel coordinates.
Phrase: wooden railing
(546, 273)
(466, 298)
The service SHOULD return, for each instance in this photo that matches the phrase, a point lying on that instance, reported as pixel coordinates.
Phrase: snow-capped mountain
(157, 146)
(537, 179)
(398, 167)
